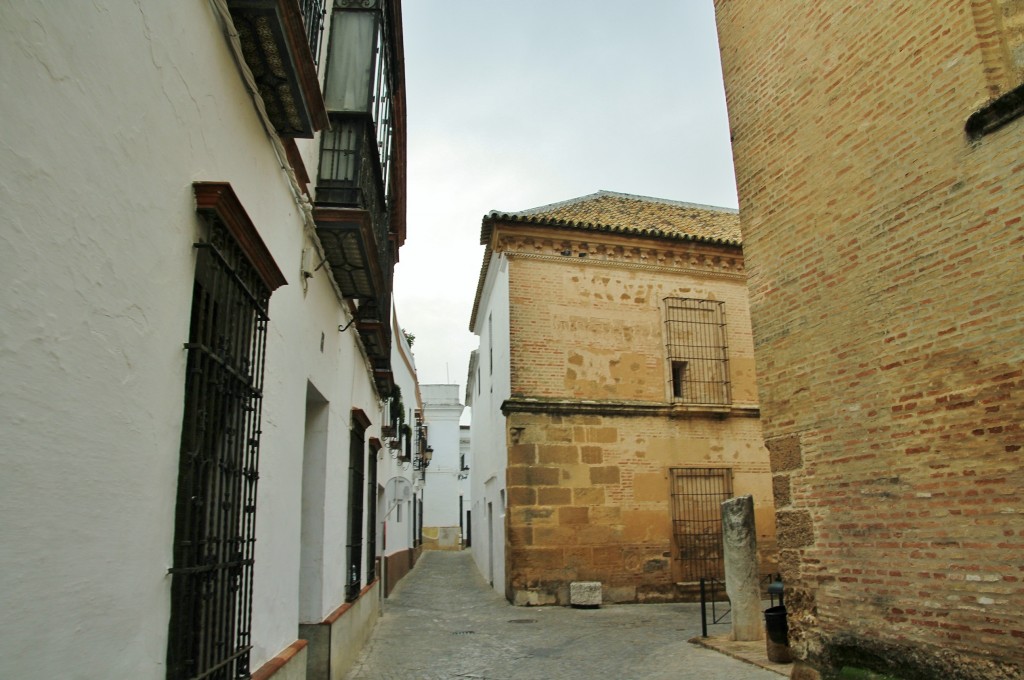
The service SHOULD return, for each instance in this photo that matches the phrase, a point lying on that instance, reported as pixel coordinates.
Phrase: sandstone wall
(589, 492)
(589, 500)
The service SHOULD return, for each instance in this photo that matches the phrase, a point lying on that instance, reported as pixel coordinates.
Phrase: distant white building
(441, 512)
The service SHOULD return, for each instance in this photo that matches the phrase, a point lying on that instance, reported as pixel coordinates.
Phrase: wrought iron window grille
(313, 14)
(356, 471)
(697, 495)
(371, 512)
(211, 587)
(697, 351)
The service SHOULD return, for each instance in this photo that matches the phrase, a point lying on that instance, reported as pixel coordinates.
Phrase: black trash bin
(777, 634)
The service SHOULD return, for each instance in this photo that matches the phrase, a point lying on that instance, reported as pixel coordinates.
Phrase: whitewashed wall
(441, 411)
(399, 521)
(110, 111)
(489, 387)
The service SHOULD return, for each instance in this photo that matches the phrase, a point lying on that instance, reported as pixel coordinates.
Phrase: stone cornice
(697, 259)
(625, 408)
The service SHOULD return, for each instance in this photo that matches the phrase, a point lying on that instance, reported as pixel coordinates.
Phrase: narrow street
(443, 621)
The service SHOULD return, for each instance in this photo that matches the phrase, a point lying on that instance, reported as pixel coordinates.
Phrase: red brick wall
(886, 260)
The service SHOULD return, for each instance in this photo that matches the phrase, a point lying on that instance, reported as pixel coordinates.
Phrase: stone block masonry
(585, 594)
(610, 520)
(885, 249)
(601, 408)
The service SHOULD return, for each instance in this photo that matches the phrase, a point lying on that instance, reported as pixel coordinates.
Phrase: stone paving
(443, 621)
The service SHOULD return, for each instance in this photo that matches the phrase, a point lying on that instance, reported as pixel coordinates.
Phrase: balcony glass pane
(350, 61)
(339, 152)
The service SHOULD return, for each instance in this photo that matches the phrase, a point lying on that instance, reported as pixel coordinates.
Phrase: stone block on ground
(585, 594)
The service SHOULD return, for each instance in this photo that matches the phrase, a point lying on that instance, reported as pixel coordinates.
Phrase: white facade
(441, 413)
(401, 485)
(488, 387)
(111, 111)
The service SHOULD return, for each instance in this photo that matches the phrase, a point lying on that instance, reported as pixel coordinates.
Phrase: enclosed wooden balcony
(280, 40)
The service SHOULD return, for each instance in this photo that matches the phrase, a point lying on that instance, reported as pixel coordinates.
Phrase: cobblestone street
(443, 621)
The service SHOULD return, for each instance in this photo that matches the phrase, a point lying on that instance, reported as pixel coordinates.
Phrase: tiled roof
(615, 213)
(608, 211)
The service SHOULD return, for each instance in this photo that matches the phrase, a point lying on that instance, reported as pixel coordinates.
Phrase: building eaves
(628, 215)
(480, 281)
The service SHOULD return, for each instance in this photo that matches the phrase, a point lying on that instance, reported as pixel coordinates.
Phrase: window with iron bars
(371, 511)
(697, 352)
(313, 13)
(356, 485)
(697, 496)
(214, 536)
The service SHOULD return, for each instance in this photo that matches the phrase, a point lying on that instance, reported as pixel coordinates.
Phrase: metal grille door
(697, 495)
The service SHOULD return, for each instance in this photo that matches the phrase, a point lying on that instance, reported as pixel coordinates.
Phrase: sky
(515, 105)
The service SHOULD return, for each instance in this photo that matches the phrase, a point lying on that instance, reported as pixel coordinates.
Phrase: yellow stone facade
(593, 428)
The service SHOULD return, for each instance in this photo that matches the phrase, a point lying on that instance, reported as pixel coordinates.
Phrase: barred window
(371, 511)
(697, 496)
(698, 357)
(214, 535)
(356, 486)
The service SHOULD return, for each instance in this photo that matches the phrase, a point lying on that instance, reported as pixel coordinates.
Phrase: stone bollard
(739, 540)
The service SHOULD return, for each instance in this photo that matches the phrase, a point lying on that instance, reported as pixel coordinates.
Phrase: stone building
(201, 204)
(613, 398)
(878, 153)
(401, 485)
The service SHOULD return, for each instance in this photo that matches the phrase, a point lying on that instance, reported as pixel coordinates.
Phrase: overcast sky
(514, 105)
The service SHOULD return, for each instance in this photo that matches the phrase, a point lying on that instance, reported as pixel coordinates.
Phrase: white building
(489, 385)
(195, 345)
(401, 484)
(444, 486)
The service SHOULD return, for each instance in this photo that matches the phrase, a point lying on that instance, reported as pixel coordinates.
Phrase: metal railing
(713, 591)
(710, 590)
(313, 13)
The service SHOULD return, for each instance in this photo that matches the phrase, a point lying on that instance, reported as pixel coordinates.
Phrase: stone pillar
(739, 540)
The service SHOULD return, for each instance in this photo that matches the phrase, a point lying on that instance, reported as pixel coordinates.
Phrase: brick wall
(593, 328)
(885, 258)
